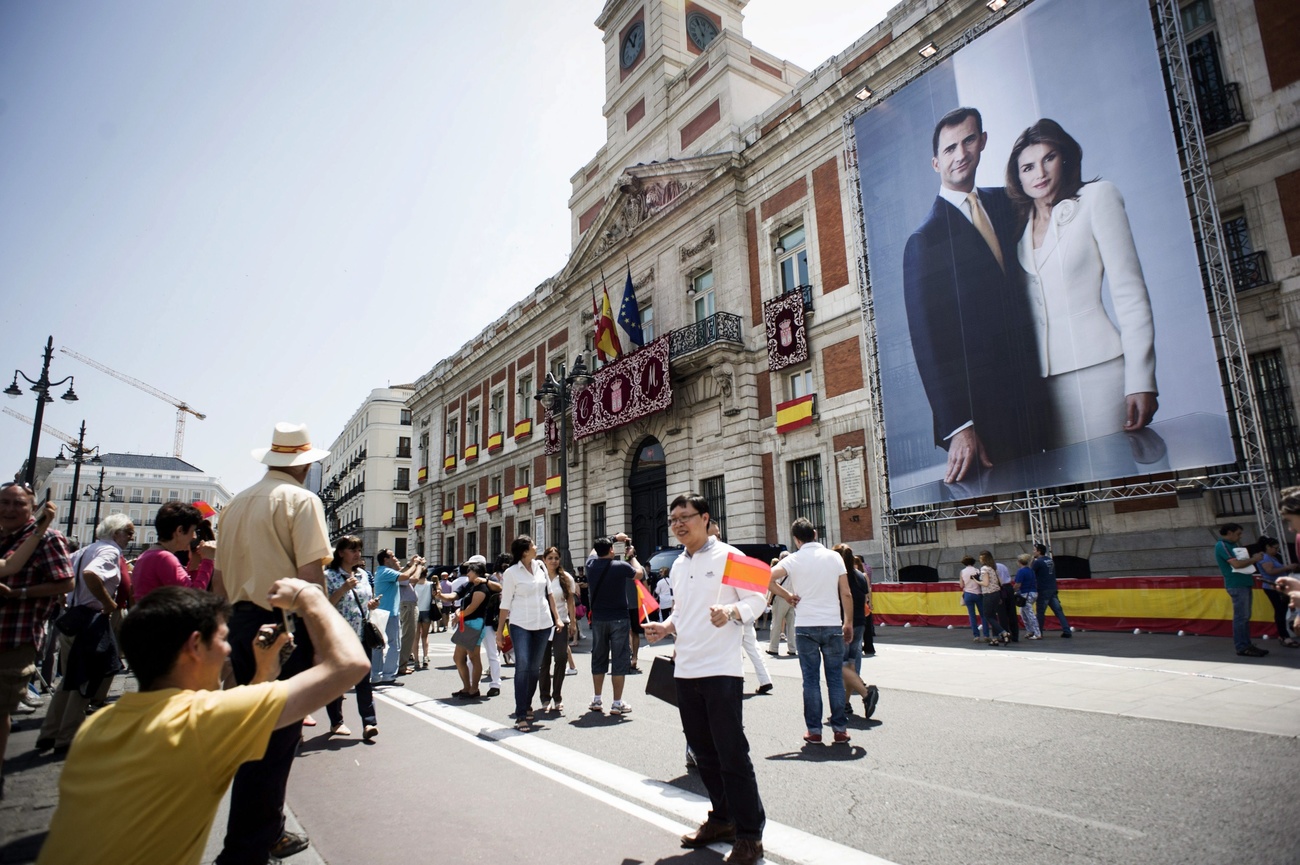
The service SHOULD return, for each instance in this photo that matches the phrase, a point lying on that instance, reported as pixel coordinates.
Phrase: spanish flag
(645, 601)
(607, 344)
(743, 572)
(795, 413)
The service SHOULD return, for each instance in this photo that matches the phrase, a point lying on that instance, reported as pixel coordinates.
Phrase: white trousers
(750, 644)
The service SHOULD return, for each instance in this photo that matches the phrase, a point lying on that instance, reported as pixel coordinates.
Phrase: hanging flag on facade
(595, 325)
(608, 346)
(629, 314)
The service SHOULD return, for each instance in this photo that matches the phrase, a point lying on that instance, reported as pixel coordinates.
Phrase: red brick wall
(1155, 503)
(702, 123)
(508, 484)
(859, 529)
(1277, 18)
(482, 491)
(830, 226)
(784, 198)
(539, 471)
(697, 74)
(764, 394)
(766, 67)
(842, 365)
(868, 54)
(776, 121)
(589, 215)
(769, 499)
(635, 113)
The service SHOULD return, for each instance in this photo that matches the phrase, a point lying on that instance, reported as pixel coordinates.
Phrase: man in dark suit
(970, 330)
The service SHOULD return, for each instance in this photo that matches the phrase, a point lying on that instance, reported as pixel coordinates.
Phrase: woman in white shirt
(556, 653)
(528, 607)
(970, 593)
(1100, 374)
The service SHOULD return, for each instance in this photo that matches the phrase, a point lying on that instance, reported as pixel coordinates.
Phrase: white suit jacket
(1088, 239)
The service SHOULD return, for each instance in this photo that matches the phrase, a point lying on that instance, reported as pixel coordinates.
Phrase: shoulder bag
(371, 637)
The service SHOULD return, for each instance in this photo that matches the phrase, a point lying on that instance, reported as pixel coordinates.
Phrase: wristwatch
(22, 593)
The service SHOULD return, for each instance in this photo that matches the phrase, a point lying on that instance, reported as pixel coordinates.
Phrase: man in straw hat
(273, 530)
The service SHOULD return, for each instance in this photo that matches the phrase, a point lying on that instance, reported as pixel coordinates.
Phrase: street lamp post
(556, 395)
(99, 491)
(41, 386)
(78, 457)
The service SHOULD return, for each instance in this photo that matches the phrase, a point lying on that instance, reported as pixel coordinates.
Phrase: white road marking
(785, 842)
(1010, 803)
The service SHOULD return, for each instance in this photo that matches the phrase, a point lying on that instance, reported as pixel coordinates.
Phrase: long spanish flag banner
(645, 601)
(742, 572)
(794, 414)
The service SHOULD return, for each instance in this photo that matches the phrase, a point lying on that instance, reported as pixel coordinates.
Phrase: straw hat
(290, 446)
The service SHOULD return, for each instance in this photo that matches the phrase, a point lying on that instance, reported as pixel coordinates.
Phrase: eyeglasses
(681, 521)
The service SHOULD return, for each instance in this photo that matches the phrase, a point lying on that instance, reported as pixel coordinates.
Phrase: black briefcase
(662, 681)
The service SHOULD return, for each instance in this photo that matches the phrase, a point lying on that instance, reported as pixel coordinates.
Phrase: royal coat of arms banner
(629, 389)
(551, 443)
(787, 340)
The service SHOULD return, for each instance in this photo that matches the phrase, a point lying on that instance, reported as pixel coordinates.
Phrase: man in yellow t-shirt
(144, 776)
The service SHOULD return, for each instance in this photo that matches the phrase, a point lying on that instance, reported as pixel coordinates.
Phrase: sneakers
(31, 699)
(1034, 637)
(872, 698)
(842, 737)
(1253, 652)
(340, 730)
(765, 689)
(1067, 634)
(289, 844)
(620, 708)
(596, 705)
(710, 831)
(572, 671)
(745, 852)
(494, 692)
(370, 732)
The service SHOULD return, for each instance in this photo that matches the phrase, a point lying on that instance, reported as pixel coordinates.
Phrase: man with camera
(608, 582)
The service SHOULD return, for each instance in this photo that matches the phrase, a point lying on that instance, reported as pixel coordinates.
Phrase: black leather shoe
(710, 831)
(494, 692)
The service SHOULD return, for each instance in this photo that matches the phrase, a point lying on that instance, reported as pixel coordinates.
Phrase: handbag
(1021, 600)
(74, 620)
(662, 681)
(371, 637)
(379, 621)
(469, 632)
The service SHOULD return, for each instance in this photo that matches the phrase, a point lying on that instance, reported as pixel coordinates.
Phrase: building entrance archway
(648, 483)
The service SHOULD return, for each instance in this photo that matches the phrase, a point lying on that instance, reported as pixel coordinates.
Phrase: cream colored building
(365, 479)
(725, 184)
(133, 484)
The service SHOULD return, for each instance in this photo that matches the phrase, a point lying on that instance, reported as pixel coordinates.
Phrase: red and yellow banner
(496, 441)
(468, 509)
(552, 485)
(522, 494)
(447, 516)
(449, 463)
(419, 522)
(423, 474)
(744, 572)
(524, 429)
(795, 414)
(645, 601)
(1195, 605)
(471, 453)
(493, 504)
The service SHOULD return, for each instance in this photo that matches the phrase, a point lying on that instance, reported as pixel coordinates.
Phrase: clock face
(701, 29)
(633, 43)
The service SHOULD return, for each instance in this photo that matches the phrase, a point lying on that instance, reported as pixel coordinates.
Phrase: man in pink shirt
(158, 566)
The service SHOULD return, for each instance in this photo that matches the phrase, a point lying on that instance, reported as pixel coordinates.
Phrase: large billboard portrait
(1040, 315)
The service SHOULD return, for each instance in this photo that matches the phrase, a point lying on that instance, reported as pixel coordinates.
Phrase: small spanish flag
(743, 572)
(794, 414)
(645, 601)
(205, 510)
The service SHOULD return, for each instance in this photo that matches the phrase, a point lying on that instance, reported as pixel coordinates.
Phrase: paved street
(1109, 748)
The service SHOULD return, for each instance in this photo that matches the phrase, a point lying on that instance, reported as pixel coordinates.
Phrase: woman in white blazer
(1100, 375)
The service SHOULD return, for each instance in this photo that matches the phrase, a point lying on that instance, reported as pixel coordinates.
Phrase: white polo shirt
(702, 649)
(815, 577)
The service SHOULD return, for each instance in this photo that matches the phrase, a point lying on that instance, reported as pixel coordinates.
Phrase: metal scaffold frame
(1226, 322)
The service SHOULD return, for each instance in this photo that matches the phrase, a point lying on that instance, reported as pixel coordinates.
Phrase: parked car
(664, 557)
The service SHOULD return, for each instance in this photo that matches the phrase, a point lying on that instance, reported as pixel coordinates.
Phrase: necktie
(980, 220)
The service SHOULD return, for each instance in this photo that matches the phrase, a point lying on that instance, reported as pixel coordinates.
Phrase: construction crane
(57, 433)
(182, 408)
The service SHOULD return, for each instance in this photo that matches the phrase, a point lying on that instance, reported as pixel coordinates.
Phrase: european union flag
(629, 314)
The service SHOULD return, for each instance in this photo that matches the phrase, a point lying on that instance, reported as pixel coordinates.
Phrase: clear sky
(269, 209)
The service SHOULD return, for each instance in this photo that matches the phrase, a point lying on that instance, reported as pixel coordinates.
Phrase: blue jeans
(824, 645)
(1241, 603)
(528, 664)
(383, 662)
(853, 651)
(972, 602)
(1050, 599)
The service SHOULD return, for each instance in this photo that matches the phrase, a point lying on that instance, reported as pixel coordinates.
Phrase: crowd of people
(233, 643)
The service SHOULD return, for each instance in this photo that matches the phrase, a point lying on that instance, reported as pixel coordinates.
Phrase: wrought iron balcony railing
(719, 327)
(1250, 271)
(806, 291)
(1219, 106)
